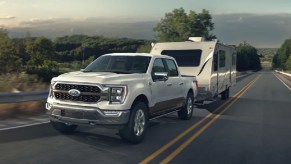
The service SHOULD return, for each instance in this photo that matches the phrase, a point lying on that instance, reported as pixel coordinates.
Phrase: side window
(158, 66)
(221, 58)
(233, 59)
(215, 61)
(172, 68)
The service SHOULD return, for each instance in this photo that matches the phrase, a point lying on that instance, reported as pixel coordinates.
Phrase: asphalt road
(253, 126)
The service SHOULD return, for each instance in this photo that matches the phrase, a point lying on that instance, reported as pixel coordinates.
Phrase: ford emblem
(74, 92)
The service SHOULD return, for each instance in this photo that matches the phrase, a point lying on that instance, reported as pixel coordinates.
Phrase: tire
(186, 112)
(63, 128)
(134, 132)
(225, 94)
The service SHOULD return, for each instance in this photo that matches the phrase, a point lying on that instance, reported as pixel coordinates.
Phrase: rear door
(174, 84)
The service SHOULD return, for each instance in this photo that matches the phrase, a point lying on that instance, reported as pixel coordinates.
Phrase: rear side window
(172, 68)
(185, 58)
(221, 58)
(233, 59)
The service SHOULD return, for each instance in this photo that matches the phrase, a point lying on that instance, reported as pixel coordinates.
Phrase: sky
(267, 22)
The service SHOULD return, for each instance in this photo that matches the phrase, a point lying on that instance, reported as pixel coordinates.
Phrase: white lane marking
(283, 82)
(22, 126)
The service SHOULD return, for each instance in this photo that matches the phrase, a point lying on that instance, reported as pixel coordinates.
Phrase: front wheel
(64, 128)
(187, 110)
(136, 128)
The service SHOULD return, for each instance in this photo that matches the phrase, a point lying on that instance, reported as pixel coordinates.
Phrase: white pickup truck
(121, 90)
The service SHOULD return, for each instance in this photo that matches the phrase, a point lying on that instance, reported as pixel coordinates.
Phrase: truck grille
(88, 93)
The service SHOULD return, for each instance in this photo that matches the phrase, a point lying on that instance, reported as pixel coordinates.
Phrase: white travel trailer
(213, 63)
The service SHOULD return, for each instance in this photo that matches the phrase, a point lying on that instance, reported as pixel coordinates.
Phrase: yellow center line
(200, 131)
(172, 142)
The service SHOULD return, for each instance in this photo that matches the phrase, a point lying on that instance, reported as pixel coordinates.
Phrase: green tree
(146, 48)
(9, 61)
(179, 26)
(281, 59)
(247, 58)
(42, 58)
(288, 63)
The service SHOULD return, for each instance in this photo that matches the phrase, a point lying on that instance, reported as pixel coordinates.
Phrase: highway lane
(254, 129)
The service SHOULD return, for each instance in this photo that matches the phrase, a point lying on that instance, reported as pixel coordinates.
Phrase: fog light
(112, 113)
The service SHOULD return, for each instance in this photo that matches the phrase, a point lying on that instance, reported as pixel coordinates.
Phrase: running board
(163, 115)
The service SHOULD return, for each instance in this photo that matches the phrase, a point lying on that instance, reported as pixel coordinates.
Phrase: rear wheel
(64, 128)
(136, 128)
(225, 94)
(186, 112)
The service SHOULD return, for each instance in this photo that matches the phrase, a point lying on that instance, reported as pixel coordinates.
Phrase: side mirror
(160, 76)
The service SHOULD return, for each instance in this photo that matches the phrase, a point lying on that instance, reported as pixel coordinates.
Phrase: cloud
(268, 30)
(2, 3)
(35, 5)
(7, 17)
(258, 30)
(37, 22)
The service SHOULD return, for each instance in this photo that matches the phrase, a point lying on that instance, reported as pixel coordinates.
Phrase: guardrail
(42, 95)
(284, 73)
(23, 96)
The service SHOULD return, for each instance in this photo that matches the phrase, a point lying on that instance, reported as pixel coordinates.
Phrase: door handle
(169, 84)
(181, 84)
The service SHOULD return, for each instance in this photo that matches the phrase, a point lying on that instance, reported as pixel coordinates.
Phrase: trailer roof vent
(197, 39)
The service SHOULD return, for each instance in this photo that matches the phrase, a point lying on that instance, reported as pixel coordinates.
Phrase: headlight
(51, 89)
(117, 94)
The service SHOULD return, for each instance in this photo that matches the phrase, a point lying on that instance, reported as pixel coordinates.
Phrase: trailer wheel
(186, 112)
(225, 94)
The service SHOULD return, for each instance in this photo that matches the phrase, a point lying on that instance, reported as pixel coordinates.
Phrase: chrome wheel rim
(189, 106)
(139, 122)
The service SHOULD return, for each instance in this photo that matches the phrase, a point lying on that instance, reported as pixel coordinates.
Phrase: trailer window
(185, 58)
(221, 58)
(233, 59)
(215, 61)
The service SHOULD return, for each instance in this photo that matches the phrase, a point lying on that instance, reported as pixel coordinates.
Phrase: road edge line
(283, 82)
(22, 126)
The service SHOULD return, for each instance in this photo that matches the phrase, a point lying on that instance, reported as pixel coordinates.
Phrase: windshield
(119, 64)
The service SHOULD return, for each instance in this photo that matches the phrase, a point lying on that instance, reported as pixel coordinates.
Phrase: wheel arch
(141, 98)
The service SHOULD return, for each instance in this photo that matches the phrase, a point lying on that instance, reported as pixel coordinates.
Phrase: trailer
(212, 62)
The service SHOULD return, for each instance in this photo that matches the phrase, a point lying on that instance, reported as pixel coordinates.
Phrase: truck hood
(97, 77)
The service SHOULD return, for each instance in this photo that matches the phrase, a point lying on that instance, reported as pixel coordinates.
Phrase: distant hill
(266, 54)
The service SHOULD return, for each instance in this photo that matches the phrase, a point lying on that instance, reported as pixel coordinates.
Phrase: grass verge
(9, 110)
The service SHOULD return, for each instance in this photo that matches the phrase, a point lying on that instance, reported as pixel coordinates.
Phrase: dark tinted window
(158, 66)
(119, 64)
(215, 61)
(221, 58)
(172, 67)
(233, 59)
(185, 58)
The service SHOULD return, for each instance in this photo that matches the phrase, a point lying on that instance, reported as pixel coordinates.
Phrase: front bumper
(80, 115)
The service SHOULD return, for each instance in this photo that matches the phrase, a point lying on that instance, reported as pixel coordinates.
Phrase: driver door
(159, 90)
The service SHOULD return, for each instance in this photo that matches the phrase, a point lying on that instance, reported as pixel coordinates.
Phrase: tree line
(282, 59)
(44, 57)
